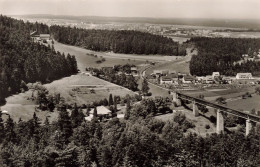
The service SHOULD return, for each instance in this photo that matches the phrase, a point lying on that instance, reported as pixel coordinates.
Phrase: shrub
(207, 126)
(212, 119)
(98, 61)
(149, 94)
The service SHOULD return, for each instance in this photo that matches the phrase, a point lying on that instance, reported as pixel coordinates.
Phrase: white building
(186, 79)
(101, 112)
(215, 74)
(165, 80)
(45, 36)
(244, 76)
(209, 79)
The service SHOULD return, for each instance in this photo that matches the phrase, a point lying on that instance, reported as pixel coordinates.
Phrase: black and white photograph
(129, 83)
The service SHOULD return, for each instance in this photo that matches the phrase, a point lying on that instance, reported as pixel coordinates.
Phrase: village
(170, 79)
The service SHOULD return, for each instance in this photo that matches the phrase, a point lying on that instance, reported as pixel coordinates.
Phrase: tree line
(112, 75)
(139, 141)
(221, 54)
(23, 61)
(123, 41)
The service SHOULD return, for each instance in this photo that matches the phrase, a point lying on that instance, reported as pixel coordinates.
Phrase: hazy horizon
(101, 16)
(191, 9)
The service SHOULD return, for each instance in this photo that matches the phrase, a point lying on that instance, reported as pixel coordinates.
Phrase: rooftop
(101, 110)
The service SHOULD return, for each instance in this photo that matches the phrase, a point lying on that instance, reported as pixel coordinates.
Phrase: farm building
(174, 77)
(38, 37)
(35, 36)
(244, 76)
(45, 36)
(101, 112)
(166, 80)
(187, 79)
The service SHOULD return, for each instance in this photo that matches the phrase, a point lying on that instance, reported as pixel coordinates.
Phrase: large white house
(166, 80)
(188, 79)
(244, 76)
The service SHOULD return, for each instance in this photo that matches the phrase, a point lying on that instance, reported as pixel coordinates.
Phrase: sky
(238, 9)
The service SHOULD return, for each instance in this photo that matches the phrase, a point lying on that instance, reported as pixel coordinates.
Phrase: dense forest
(23, 61)
(124, 41)
(221, 54)
(138, 140)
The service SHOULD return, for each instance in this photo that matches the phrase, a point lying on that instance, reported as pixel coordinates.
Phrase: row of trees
(221, 54)
(23, 61)
(124, 41)
(111, 75)
(138, 141)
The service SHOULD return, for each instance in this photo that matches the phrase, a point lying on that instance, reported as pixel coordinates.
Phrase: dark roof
(166, 78)
(188, 78)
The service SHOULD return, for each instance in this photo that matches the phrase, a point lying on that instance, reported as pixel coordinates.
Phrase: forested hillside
(117, 41)
(23, 61)
(220, 54)
(139, 141)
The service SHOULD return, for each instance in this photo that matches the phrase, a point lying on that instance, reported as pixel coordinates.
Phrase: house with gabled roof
(244, 76)
(188, 79)
(166, 80)
(102, 111)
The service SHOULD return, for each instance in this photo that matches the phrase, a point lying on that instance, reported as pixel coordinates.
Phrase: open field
(246, 104)
(212, 94)
(77, 89)
(19, 107)
(180, 64)
(112, 59)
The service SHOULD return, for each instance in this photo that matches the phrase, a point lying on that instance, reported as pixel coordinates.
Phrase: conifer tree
(2, 133)
(115, 104)
(10, 135)
(64, 124)
(95, 112)
(145, 87)
(128, 108)
(110, 100)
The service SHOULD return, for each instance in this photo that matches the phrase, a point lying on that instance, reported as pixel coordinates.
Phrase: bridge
(177, 97)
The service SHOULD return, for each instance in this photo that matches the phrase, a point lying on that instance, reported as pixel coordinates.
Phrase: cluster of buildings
(171, 77)
(246, 58)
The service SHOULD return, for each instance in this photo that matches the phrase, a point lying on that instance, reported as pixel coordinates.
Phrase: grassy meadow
(85, 60)
(19, 106)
